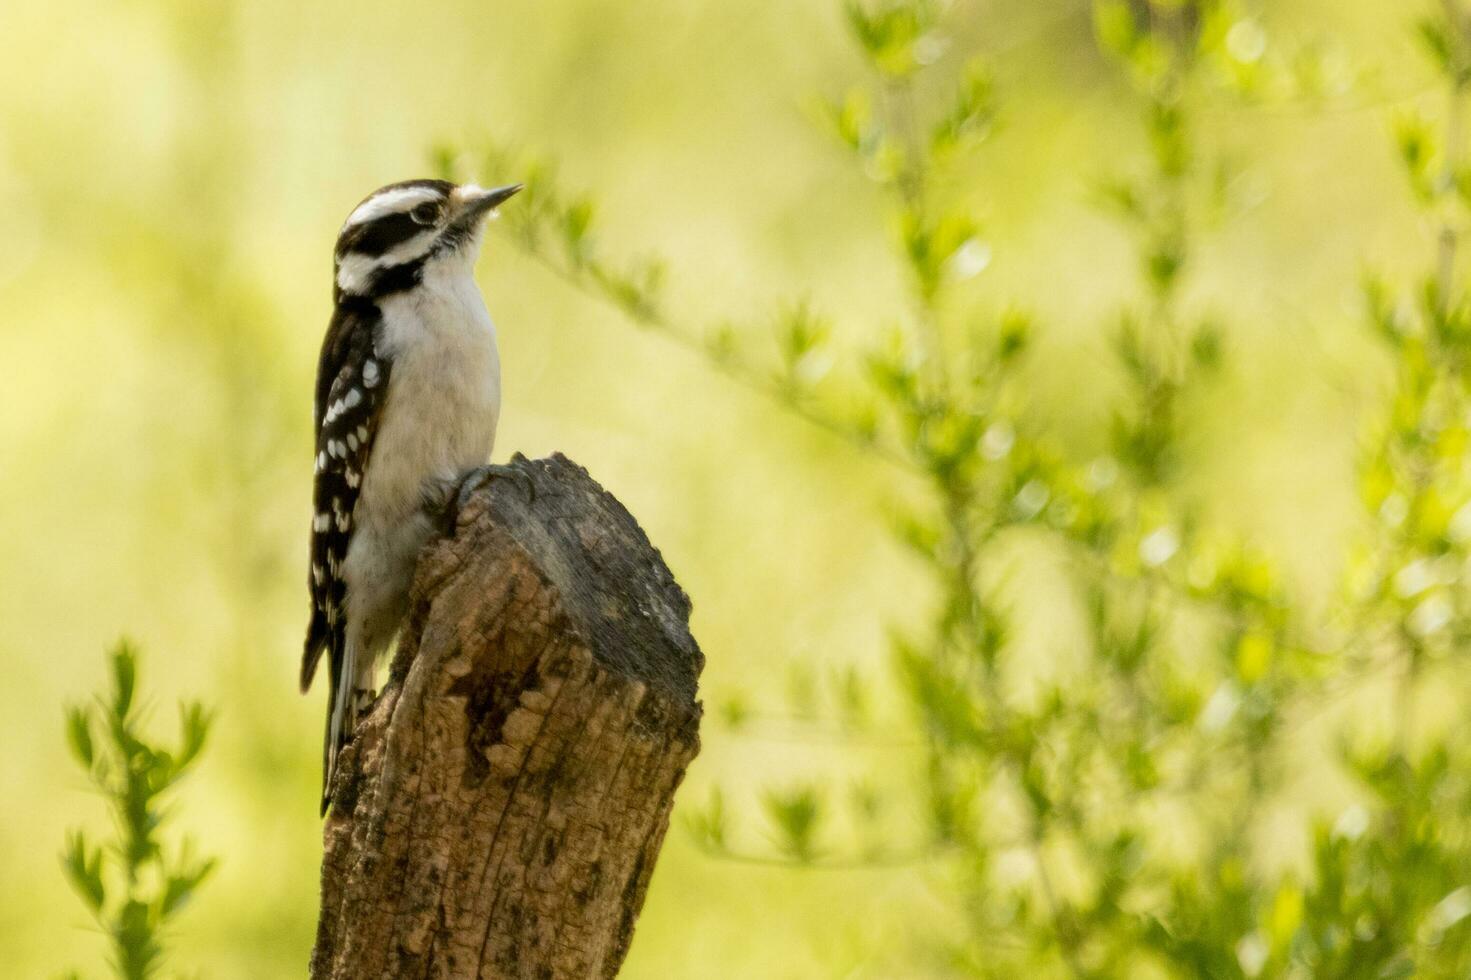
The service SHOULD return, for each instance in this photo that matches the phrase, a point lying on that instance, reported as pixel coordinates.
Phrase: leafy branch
(133, 884)
(1194, 659)
(560, 231)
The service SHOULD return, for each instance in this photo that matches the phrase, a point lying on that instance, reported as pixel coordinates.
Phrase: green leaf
(79, 734)
(83, 866)
(1254, 655)
(801, 690)
(1435, 38)
(896, 35)
(1286, 915)
(1013, 336)
(577, 223)
(972, 112)
(1164, 261)
(1124, 196)
(1207, 345)
(796, 814)
(802, 337)
(443, 161)
(709, 825)
(852, 694)
(1115, 27)
(944, 706)
(194, 725)
(124, 676)
(180, 887)
(852, 120)
(1169, 137)
(1419, 150)
(932, 243)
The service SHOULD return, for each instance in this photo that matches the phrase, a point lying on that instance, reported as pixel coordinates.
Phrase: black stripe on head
(394, 214)
(378, 236)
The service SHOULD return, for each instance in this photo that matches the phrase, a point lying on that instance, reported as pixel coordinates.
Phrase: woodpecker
(407, 400)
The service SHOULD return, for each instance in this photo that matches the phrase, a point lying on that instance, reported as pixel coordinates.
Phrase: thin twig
(746, 377)
(875, 862)
(777, 727)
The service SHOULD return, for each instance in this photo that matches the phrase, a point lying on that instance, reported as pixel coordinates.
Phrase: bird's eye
(425, 214)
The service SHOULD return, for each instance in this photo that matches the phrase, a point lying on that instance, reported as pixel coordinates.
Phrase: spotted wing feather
(352, 381)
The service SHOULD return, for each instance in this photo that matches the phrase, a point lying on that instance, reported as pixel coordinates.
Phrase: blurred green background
(172, 176)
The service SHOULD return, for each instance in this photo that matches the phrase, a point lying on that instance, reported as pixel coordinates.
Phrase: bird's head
(398, 230)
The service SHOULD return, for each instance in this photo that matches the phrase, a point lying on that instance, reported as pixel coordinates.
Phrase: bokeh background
(172, 176)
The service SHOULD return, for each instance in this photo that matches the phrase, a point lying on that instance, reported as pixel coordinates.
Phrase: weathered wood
(500, 808)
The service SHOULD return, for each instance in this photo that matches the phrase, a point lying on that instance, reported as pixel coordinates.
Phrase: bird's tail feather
(340, 718)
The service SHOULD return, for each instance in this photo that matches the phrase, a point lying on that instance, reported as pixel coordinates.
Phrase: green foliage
(897, 35)
(133, 884)
(1132, 785)
(708, 826)
(795, 815)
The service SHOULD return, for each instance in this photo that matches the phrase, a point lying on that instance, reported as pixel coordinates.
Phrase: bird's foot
(479, 477)
(482, 475)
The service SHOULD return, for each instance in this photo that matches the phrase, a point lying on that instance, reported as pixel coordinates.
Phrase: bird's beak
(475, 202)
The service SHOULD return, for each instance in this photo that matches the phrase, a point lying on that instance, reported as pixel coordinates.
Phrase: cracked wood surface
(500, 809)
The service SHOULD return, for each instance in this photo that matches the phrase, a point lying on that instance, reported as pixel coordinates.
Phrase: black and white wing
(352, 382)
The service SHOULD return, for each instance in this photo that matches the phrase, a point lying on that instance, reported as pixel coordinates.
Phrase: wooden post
(499, 811)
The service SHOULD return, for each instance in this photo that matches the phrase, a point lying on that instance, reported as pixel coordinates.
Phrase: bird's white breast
(444, 393)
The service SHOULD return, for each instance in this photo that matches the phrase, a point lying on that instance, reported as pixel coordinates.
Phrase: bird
(408, 397)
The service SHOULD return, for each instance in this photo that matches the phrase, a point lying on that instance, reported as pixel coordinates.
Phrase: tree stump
(499, 810)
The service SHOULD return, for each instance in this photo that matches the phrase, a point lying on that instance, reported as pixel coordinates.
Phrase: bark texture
(500, 808)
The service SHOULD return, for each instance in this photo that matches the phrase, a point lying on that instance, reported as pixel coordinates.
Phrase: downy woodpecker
(407, 399)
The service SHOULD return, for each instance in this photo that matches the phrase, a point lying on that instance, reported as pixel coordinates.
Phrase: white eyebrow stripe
(391, 202)
(354, 270)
